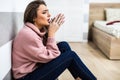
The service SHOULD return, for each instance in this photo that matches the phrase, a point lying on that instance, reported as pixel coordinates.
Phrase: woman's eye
(44, 12)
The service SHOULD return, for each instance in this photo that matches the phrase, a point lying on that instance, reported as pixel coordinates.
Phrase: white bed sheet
(113, 29)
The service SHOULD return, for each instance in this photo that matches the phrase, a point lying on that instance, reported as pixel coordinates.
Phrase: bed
(107, 42)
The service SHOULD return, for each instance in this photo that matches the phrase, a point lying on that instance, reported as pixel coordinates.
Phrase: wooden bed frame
(107, 43)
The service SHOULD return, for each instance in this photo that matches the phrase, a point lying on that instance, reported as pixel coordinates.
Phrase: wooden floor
(96, 61)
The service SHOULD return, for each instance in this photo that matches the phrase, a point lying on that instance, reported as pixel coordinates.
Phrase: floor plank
(96, 61)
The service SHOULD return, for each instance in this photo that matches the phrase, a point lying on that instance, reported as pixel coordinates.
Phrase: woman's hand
(55, 24)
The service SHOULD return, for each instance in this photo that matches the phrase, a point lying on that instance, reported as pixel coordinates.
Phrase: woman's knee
(71, 53)
(63, 43)
(64, 46)
(74, 54)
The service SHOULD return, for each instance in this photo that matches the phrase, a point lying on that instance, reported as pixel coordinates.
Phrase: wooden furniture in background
(97, 12)
(107, 43)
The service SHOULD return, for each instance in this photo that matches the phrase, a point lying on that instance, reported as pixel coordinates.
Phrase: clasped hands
(55, 23)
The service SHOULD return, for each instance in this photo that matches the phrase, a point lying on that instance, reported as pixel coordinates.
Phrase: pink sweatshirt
(28, 49)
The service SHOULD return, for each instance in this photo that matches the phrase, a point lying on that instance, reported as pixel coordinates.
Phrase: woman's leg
(63, 46)
(52, 69)
(67, 59)
(77, 69)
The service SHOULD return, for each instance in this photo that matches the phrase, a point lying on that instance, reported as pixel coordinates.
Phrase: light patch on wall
(104, 1)
(5, 61)
(85, 35)
(86, 1)
(85, 18)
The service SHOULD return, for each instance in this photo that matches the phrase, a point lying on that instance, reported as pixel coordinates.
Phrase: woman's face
(43, 17)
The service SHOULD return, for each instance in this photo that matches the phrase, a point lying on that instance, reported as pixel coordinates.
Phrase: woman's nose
(49, 14)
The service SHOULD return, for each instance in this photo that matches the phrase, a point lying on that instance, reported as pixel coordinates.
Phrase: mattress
(113, 29)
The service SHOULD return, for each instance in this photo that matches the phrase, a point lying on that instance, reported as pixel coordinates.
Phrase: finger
(53, 19)
(60, 17)
(61, 21)
(56, 18)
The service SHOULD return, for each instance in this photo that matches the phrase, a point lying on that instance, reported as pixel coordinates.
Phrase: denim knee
(63, 46)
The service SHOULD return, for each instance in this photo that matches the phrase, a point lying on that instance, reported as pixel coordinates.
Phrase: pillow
(112, 14)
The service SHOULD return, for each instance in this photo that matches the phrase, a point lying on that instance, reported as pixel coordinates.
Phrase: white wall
(76, 12)
(72, 29)
(73, 11)
(5, 61)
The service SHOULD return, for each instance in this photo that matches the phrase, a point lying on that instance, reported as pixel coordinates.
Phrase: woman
(35, 54)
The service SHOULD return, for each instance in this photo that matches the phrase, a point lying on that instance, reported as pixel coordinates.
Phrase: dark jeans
(67, 60)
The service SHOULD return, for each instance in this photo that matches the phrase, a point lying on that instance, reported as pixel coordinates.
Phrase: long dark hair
(31, 13)
(31, 10)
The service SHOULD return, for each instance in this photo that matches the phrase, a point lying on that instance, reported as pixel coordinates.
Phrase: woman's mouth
(49, 20)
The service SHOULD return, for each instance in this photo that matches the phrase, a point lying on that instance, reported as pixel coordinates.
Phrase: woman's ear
(34, 20)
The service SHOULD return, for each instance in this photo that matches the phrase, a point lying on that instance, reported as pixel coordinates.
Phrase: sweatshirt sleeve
(37, 52)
